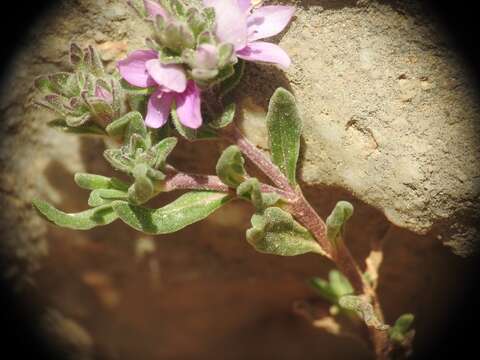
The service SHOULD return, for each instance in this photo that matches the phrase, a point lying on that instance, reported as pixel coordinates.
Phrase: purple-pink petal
(170, 76)
(189, 106)
(133, 69)
(231, 22)
(103, 93)
(265, 52)
(268, 21)
(154, 9)
(158, 109)
(244, 5)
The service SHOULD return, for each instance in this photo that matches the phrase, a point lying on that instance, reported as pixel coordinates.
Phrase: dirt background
(390, 123)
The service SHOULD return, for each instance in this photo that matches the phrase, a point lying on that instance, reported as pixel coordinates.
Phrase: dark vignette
(17, 321)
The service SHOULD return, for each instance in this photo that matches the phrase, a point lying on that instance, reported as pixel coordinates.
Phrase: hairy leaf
(230, 167)
(186, 210)
(225, 118)
(400, 331)
(363, 309)
(337, 219)
(276, 232)
(101, 197)
(323, 288)
(231, 83)
(340, 284)
(93, 182)
(84, 220)
(284, 130)
(86, 129)
(162, 150)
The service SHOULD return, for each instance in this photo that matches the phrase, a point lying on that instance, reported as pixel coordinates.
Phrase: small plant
(197, 50)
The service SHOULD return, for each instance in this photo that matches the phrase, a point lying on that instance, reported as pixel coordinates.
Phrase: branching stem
(307, 216)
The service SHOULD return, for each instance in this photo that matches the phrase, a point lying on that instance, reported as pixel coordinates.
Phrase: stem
(177, 180)
(307, 216)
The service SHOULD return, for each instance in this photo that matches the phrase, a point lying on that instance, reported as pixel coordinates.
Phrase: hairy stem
(177, 180)
(307, 216)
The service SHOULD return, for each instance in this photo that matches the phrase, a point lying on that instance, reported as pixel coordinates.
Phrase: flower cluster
(195, 46)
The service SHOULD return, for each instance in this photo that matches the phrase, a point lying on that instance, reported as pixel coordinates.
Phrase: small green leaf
(94, 182)
(162, 150)
(77, 121)
(340, 284)
(143, 188)
(324, 289)
(284, 130)
(136, 125)
(250, 191)
(400, 331)
(276, 232)
(84, 220)
(225, 119)
(363, 309)
(230, 167)
(86, 129)
(118, 160)
(101, 197)
(186, 210)
(337, 219)
(134, 90)
(231, 83)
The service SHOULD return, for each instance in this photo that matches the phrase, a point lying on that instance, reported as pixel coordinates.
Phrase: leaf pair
(333, 289)
(186, 210)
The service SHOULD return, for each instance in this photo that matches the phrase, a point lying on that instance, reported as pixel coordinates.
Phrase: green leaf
(362, 307)
(400, 331)
(162, 150)
(136, 126)
(94, 182)
(101, 197)
(324, 289)
(230, 167)
(276, 232)
(86, 129)
(84, 220)
(337, 219)
(284, 130)
(340, 284)
(250, 190)
(143, 188)
(231, 83)
(118, 160)
(134, 90)
(225, 119)
(186, 210)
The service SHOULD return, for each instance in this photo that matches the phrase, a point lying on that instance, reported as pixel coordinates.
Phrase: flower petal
(154, 9)
(231, 22)
(244, 5)
(268, 21)
(158, 110)
(170, 76)
(189, 106)
(133, 68)
(265, 52)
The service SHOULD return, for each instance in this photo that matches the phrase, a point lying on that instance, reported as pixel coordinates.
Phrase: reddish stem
(307, 216)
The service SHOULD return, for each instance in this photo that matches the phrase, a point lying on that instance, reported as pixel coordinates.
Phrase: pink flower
(143, 69)
(240, 24)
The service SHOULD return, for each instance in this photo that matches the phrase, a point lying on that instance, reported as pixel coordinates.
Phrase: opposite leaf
(276, 232)
(186, 210)
(84, 220)
(230, 167)
(94, 182)
(284, 130)
(400, 331)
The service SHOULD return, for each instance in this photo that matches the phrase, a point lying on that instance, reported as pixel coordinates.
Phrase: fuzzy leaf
(276, 232)
(230, 167)
(86, 129)
(225, 119)
(230, 83)
(162, 150)
(94, 182)
(186, 210)
(77, 121)
(143, 188)
(284, 130)
(400, 331)
(84, 220)
(118, 160)
(337, 219)
(101, 197)
(363, 309)
(324, 289)
(120, 126)
(340, 284)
